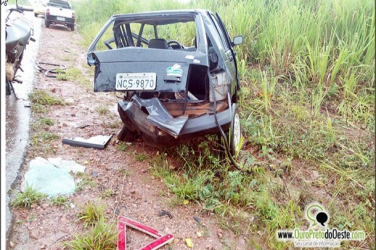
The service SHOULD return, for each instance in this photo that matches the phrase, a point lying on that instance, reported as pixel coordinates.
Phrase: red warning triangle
(160, 241)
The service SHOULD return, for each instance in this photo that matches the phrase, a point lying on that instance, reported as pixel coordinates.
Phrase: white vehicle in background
(59, 12)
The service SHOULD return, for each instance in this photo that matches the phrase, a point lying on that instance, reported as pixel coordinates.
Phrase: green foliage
(38, 108)
(122, 146)
(44, 98)
(227, 192)
(61, 75)
(101, 236)
(46, 121)
(59, 201)
(73, 74)
(42, 137)
(124, 172)
(329, 45)
(85, 181)
(141, 157)
(28, 197)
(283, 34)
(42, 123)
(102, 110)
(19, 2)
(107, 193)
(91, 213)
(113, 125)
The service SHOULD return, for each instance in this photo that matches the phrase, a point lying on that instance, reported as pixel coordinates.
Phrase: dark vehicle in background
(59, 12)
(178, 72)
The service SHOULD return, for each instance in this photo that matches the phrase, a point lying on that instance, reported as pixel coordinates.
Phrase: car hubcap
(237, 133)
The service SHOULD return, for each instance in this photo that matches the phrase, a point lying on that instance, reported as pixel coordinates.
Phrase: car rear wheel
(71, 27)
(235, 134)
(47, 23)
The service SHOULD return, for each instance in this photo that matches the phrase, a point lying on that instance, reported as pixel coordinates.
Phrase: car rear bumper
(136, 120)
(54, 19)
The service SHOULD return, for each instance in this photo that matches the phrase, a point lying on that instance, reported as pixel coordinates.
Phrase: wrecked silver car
(178, 73)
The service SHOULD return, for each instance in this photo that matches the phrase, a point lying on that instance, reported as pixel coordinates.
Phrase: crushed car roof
(163, 16)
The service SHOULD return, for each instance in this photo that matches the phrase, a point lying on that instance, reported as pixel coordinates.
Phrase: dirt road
(114, 176)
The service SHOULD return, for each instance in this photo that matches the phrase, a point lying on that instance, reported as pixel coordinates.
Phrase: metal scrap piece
(159, 116)
(97, 142)
(164, 212)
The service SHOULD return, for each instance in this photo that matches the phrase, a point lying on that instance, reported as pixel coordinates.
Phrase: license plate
(136, 81)
(60, 18)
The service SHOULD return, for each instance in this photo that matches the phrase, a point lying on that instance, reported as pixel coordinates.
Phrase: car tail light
(47, 11)
(73, 15)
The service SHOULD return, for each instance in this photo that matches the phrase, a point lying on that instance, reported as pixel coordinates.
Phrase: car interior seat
(158, 43)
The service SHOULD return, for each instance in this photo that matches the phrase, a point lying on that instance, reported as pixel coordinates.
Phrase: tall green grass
(319, 43)
(19, 2)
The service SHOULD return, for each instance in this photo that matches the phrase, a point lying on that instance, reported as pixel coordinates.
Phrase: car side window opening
(138, 34)
(213, 56)
(220, 32)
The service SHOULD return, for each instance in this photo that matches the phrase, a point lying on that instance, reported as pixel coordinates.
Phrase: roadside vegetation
(42, 101)
(27, 198)
(307, 71)
(20, 2)
(101, 234)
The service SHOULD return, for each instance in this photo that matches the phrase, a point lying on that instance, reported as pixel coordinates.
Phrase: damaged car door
(176, 69)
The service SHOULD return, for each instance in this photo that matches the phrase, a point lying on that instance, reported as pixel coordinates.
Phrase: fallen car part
(97, 142)
(197, 219)
(164, 212)
(159, 117)
(51, 72)
(160, 241)
(27, 104)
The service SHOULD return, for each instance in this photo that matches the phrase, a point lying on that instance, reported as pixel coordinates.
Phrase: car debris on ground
(97, 142)
(51, 177)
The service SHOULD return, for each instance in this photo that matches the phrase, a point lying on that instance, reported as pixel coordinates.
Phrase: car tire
(72, 27)
(126, 135)
(35, 14)
(47, 23)
(235, 133)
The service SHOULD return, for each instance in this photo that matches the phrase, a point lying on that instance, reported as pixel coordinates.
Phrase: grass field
(20, 2)
(307, 107)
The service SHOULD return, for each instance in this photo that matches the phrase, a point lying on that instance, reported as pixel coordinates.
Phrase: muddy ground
(132, 190)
